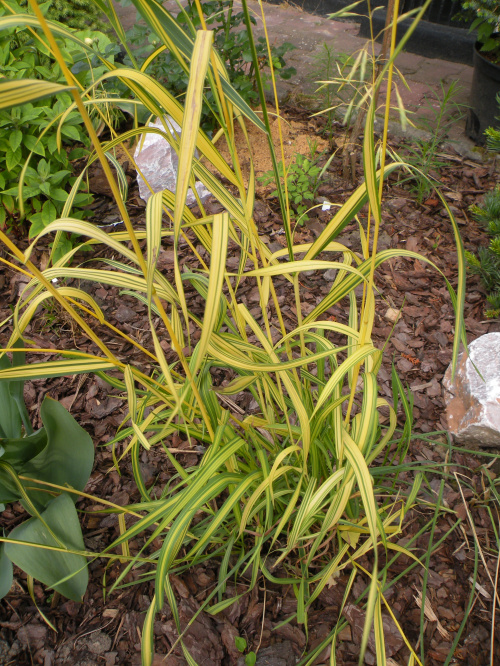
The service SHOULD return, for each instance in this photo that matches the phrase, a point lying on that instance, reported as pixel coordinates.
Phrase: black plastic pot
(484, 106)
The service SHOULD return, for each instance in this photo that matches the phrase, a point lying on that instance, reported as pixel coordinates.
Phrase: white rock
(473, 399)
(159, 163)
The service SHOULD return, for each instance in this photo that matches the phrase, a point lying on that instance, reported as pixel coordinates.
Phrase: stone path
(312, 35)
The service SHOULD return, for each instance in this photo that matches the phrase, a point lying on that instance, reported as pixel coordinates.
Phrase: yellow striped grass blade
(190, 125)
(126, 281)
(181, 45)
(220, 230)
(148, 637)
(295, 397)
(159, 100)
(343, 290)
(56, 369)
(22, 91)
(346, 213)
(20, 323)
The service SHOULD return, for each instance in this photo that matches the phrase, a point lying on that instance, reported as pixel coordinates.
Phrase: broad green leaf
(69, 455)
(13, 158)
(51, 567)
(6, 573)
(16, 388)
(15, 138)
(49, 212)
(71, 132)
(10, 418)
(19, 451)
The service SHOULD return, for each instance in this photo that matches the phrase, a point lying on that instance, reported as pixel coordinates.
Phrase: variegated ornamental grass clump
(284, 488)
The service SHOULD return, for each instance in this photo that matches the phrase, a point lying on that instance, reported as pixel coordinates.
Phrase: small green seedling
(303, 177)
(241, 646)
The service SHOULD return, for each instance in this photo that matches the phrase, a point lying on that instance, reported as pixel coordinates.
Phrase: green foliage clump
(493, 134)
(77, 14)
(486, 18)
(40, 140)
(487, 261)
(232, 42)
(302, 179)
(35, 168)
(48, 173)
(423, 154)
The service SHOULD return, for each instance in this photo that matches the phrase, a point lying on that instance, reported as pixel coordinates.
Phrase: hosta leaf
(6, 573)
(52, 566)
(20, 450)
(69, 455)
(10, 418)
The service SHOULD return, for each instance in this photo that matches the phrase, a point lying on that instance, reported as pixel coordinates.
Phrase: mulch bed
(107, 632)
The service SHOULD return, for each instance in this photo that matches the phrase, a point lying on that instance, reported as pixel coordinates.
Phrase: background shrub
(487, 261)
(78, 14)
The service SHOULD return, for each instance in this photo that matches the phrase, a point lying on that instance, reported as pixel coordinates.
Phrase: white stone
(473, 399)
(159, 163)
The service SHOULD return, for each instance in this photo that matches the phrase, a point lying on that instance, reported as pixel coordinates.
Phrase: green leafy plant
(77, 14)
(241, 646)
(327, 62)
(289, 489)
(487, 261)
(485, 16)
(232, 43)
(302, 179)
(37, 469)
(422, 154)
(47, 175)
(493, 134)
(34, 161)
